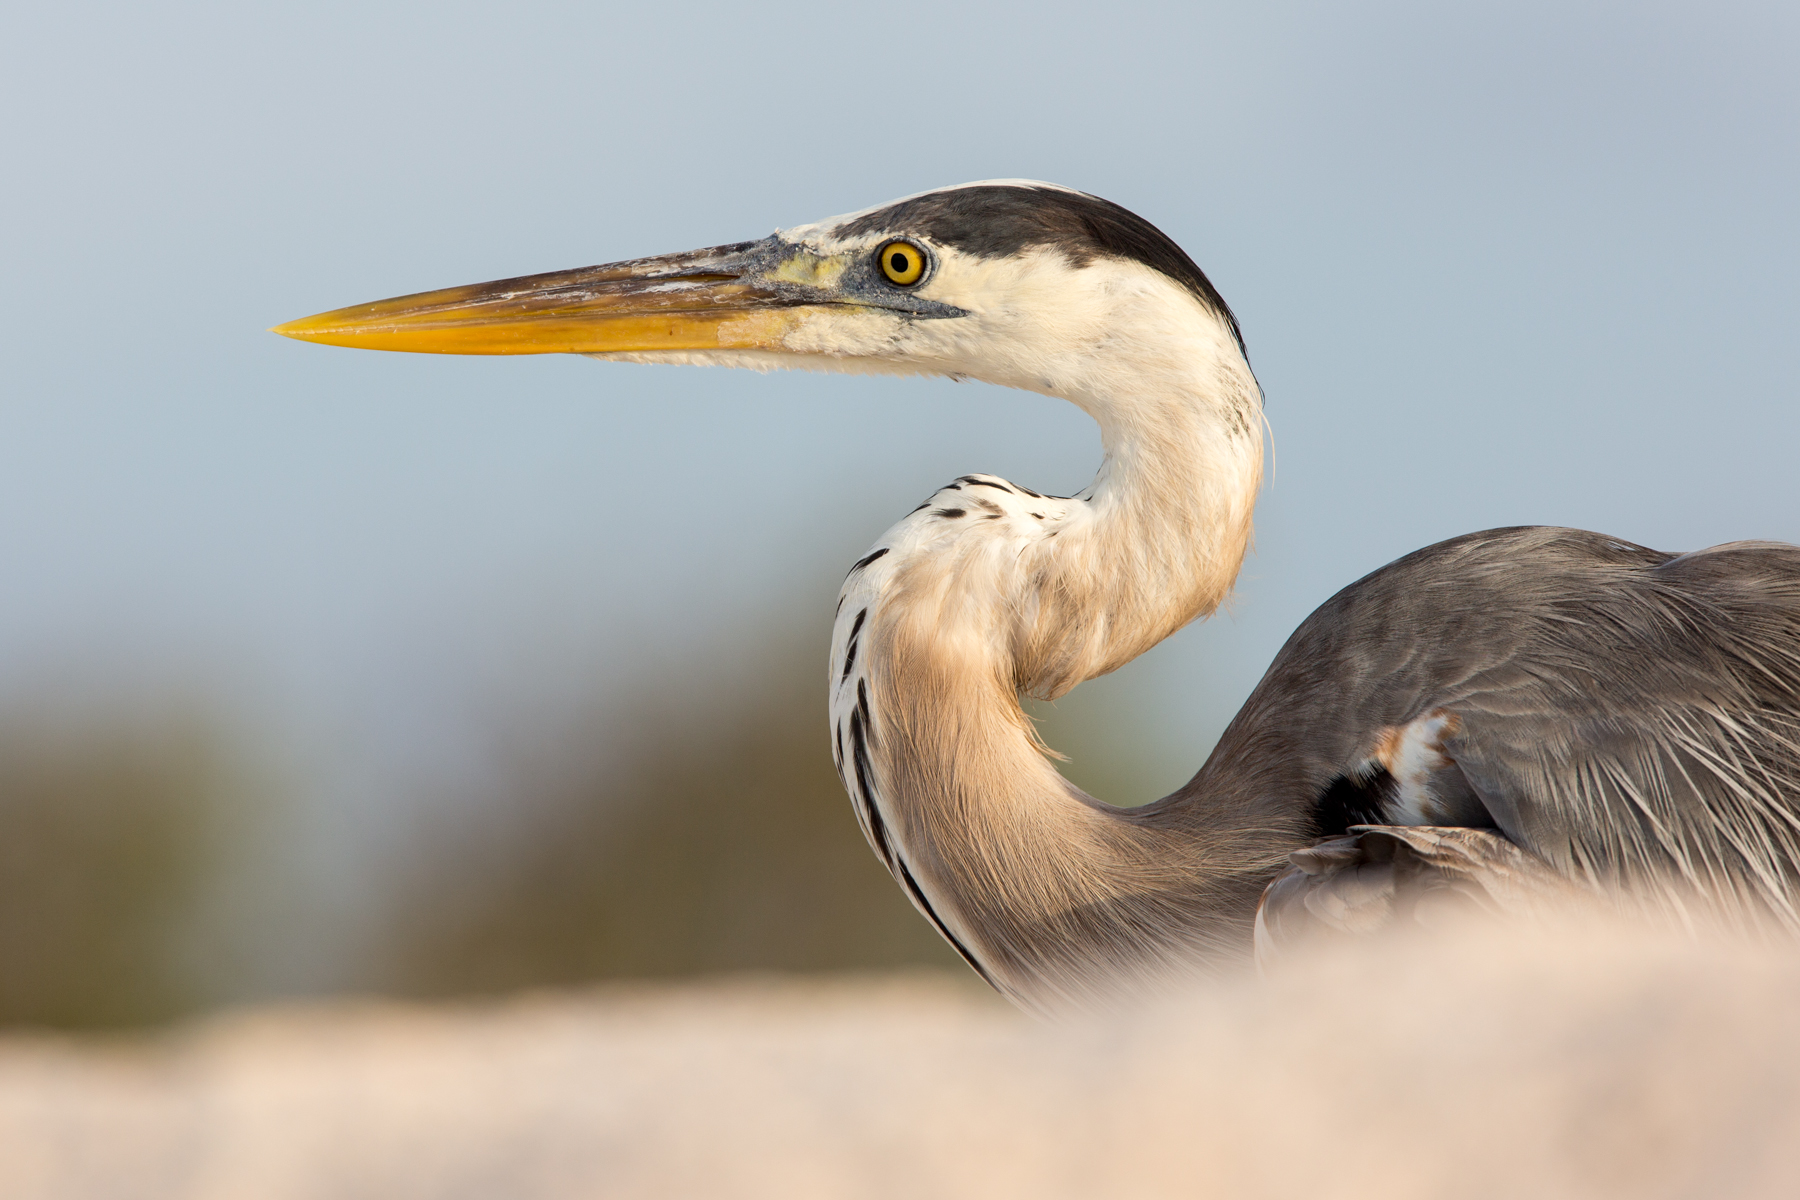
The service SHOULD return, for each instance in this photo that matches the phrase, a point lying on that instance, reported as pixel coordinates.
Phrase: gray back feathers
(1630, 717)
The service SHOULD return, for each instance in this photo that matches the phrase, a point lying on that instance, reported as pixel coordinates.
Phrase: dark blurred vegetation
(705, 831)
(686, 819)
(694, 825)
(107, 828)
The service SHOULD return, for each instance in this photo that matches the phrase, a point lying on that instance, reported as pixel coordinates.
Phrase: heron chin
(1515, 719)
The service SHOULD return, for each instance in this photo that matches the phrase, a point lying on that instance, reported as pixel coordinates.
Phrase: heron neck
(1163, 530)
(1048, 889)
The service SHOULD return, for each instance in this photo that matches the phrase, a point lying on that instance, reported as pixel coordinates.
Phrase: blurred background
(325, 671)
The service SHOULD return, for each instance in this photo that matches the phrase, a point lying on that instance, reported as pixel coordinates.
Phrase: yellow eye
(902, 263)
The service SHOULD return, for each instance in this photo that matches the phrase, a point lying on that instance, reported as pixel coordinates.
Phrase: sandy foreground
(1597, 1063)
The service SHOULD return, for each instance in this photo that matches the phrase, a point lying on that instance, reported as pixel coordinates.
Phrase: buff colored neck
(1049, 888)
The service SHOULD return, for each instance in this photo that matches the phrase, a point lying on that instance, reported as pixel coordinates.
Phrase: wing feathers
(1380, 877)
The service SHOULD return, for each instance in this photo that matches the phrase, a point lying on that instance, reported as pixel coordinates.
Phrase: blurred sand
(1595, 1064)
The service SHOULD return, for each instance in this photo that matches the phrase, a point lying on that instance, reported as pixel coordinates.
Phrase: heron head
(1018, 283)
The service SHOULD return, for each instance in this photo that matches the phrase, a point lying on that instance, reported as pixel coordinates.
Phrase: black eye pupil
(899, 263)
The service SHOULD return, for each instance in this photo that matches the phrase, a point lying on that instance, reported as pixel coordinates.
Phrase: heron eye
(902, 263)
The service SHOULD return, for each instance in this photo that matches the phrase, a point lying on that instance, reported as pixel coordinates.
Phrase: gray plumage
(1377, 878)
(1630, 718)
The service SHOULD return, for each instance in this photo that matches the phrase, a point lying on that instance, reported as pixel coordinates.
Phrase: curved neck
(1164, 530)
(989, 591)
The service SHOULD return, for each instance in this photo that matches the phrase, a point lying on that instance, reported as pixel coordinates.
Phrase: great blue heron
(1505, 714)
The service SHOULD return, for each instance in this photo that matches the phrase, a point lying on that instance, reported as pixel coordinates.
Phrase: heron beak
(742, 297)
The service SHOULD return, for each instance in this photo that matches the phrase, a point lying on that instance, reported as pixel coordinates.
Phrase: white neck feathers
(990, 590)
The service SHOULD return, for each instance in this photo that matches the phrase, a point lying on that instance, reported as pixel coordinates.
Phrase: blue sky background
(1496, 264)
